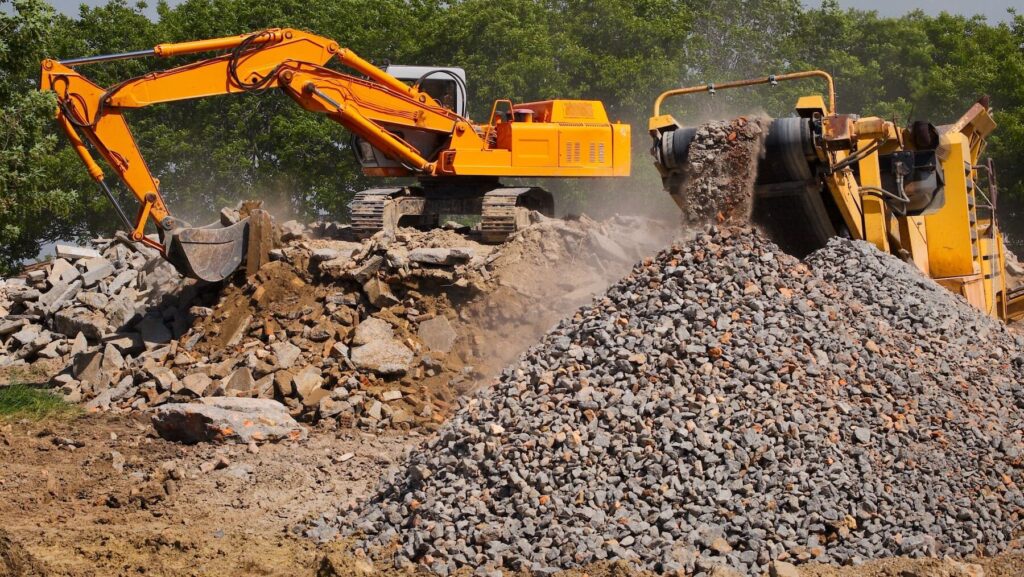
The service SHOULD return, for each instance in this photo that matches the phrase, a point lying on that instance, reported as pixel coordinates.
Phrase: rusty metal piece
(209, 253)
(261, 240)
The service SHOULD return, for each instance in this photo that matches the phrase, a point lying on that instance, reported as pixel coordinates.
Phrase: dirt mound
(15, 561)
(387, 332)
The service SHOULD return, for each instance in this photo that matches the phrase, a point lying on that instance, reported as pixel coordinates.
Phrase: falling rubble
(717, 185)
(379, 333)
(725, 405)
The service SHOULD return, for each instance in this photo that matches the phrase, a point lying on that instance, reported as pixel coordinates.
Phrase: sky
(994, 10)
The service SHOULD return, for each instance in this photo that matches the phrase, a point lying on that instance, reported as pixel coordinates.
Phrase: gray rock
(96, 269)
(62, 272)
(79, 320)
(437, 334)
(165, 378)
(440, 256)
(384, 357)
(69, 252)
(372, 329)
(220, 419)
(285, 354)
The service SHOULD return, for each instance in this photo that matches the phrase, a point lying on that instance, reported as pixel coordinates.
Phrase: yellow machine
(913, 192)
(400, 129)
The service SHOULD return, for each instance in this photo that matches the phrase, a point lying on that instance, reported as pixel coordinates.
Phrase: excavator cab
(445, 85)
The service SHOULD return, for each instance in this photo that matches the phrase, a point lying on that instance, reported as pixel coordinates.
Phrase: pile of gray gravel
(726, 404)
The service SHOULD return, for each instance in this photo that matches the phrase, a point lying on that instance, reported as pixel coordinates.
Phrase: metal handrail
(773, 80)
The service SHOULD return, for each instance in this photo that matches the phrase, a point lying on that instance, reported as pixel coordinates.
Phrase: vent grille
(573, 152)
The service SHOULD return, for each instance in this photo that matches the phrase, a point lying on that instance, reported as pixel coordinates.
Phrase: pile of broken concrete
(371, 334)
(113, 296)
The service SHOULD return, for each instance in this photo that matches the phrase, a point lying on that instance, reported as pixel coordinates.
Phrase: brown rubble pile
(387, 332)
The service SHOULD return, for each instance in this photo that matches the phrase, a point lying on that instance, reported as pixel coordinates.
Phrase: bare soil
(77, 510)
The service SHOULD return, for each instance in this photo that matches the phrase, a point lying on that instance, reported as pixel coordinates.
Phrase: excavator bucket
(210, 253)
(213, 252)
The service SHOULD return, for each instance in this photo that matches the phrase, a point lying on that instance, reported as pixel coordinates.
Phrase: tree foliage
(214, 151)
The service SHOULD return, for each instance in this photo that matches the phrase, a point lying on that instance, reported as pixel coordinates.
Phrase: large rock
(372, 329)
(61, 272)
(69, 252)
(441, 256)
(379, 293)
(53, 299)
(286, 354)
(220, 419)
(387, 357)
(96, 269)
(437, 334)
(70, 322)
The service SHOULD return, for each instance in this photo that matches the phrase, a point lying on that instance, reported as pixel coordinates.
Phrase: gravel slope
(727, 404)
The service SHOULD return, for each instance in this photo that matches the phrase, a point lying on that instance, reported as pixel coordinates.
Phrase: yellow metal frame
(954, 245)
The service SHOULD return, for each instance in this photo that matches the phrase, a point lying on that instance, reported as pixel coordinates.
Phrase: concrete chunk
(372, 329)
(286, 354)
(70, 252)
(70, 322)
(227, 419)
(386, 357)
(96, 269)
(441, 256)
(61, 272)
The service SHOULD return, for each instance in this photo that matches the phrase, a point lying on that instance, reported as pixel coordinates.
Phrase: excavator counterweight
(401, 130)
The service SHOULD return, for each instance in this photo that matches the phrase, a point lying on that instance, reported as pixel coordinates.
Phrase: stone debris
(717, 183)
(227, 419)
(719, 407)
(87, 296)
(331, 328)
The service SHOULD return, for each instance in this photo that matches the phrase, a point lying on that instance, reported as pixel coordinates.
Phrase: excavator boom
(412, 131)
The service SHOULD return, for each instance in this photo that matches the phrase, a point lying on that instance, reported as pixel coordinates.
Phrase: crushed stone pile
(726, 405)
(386, 332)
(717, 183)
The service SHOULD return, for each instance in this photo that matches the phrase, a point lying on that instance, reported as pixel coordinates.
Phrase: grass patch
(24, 402)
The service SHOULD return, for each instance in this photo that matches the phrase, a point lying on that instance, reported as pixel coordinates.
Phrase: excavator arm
(376, 108)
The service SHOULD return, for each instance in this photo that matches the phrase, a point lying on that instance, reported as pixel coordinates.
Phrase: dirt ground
(100, 495)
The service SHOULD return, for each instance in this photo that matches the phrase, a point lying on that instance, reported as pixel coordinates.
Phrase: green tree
(37, 199)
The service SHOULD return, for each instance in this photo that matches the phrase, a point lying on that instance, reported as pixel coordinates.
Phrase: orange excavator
(400, 129)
